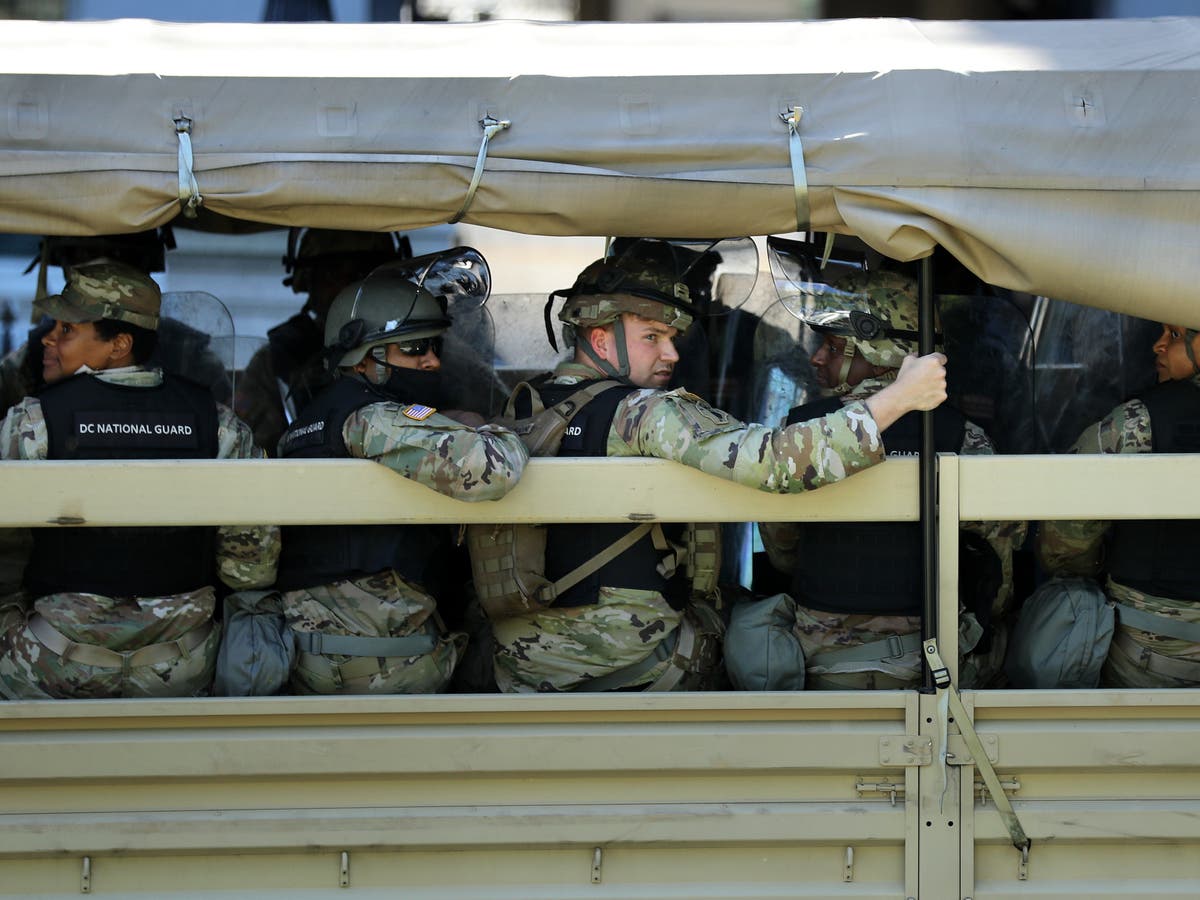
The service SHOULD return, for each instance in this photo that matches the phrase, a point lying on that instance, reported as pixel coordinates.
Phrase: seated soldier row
(359, 605)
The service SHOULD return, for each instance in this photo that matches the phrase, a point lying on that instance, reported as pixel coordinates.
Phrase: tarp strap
(799, 179)
(950, 702)
(491, 127)
(189, 190)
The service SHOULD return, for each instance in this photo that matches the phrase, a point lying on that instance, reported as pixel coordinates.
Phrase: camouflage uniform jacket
(1075, 548)
(470, 464)
(15, 383)
(246, 557)
(820, 630)
(560, 649)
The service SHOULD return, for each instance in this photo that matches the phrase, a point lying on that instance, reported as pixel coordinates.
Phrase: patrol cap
(107, 290)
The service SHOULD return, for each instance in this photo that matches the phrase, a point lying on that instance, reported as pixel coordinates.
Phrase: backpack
(508, 561)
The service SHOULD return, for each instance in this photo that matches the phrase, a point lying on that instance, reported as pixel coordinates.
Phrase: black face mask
(413, 386)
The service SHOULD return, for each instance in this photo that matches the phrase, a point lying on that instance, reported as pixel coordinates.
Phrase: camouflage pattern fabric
(29, 671)
(380, 605)
(819, 630)
(560, 649)
(1076, 548)
(462, 462)
(246, 558)
(472, 464)
(15, 382)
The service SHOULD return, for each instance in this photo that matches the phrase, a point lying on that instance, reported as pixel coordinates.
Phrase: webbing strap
(356, 645)
(596, 563)
(491, 127)
(189, 190)
(125, 660)
(1158, 624)
(891, 647)
(1149, 661)
(948, 699)
(799, 177)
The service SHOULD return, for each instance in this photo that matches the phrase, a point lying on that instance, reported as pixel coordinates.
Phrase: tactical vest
(88, 418)
(322, 554)
(1156, 556)
(570, 546)
(868, 567)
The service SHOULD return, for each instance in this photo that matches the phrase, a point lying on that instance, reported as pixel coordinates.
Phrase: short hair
(145, 340)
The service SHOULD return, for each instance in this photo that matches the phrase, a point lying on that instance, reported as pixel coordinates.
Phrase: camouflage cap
(107, 290)
(609, 287)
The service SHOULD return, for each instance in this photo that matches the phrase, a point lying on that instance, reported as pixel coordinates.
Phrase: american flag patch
(418, 412)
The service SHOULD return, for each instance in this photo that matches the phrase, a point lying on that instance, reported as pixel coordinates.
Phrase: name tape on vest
(128, 428)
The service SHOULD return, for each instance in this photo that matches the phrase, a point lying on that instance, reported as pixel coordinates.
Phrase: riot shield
(196, 341)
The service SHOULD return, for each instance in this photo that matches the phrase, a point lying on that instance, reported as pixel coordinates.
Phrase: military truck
(1054, 159)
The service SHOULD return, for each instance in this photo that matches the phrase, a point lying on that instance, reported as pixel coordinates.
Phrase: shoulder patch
(418, 412)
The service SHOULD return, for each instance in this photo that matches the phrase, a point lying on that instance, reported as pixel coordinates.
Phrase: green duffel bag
(762, 652)
(1061, 637)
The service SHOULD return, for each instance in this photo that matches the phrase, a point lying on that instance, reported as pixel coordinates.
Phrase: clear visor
(460, 275)
(196, 341)
(720, 274)
(808, 284)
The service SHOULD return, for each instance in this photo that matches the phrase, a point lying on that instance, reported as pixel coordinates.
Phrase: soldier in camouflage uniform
(363, 599)
(860, 626)
(1149, 566)
(121, 612)
(623, 316)
(283, 376)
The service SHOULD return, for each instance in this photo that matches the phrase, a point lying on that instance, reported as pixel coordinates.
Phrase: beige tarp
(1055, 157)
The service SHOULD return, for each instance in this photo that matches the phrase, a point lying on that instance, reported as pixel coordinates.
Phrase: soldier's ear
(122, 346)
(600, 339)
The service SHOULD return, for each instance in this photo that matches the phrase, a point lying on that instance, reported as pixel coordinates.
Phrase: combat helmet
(876, 312)
(363, 250)
(384, 308)
(632, 282)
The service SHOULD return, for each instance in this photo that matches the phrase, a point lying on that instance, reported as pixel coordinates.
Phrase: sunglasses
(421, 346)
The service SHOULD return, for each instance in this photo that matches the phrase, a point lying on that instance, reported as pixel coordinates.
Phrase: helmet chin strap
(843, 385)
(621, 371)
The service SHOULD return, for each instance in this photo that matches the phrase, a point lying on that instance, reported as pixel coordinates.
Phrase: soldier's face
(827, 363)
(1170, 354)
(651, 349)
(71, 345)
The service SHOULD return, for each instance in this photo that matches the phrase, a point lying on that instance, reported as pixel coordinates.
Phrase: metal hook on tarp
(791, 118)
(189, 190)
(491, 127)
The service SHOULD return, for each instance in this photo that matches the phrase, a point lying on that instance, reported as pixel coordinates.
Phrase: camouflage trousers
(823, 635)
(1142, 659)
(383, 605)
(75, 645)
(564, 649)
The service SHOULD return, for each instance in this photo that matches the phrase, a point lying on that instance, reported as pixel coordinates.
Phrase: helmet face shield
(460, 275)
(719, 274)
(850, 295)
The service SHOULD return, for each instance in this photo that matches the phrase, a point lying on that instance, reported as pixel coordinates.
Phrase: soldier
(1151, 573)
(626, 627)
(122, 612)
(21, 370)
(283, 376)
(363, 600)
(860, 626)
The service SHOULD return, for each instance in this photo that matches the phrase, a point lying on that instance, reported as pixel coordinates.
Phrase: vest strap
(1157, 624)
(317, 644)
(101, 657)
(599, 561)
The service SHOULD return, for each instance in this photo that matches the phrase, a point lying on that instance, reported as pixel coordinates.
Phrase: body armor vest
(1155, 556)
(322, 554)
(868, 567)
(88, 418)
(569, 546)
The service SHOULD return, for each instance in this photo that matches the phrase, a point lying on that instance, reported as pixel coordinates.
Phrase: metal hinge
(892, 789)
(917, 750)
(906, 750)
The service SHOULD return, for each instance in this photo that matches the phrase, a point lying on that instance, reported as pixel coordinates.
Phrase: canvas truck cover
(1052, 157)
